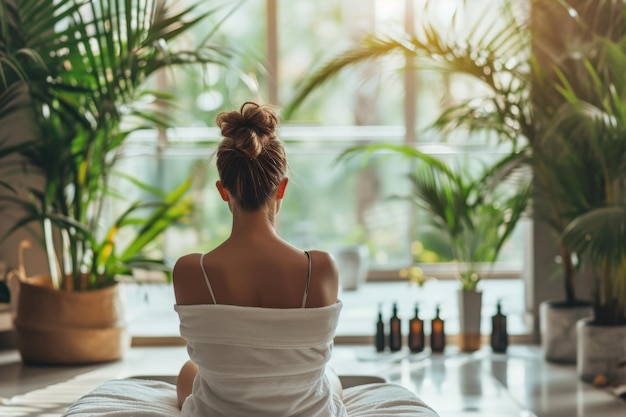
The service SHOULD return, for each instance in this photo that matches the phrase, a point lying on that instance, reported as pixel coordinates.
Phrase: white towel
(260, 361)
(253, 362)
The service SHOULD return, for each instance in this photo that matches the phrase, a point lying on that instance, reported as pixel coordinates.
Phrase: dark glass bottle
(395, 330)
(380, 332)
(499, 334)
(416, 333)
(437, 333)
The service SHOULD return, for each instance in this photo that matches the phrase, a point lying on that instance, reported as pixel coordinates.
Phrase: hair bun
(250, 129)
(251, 160)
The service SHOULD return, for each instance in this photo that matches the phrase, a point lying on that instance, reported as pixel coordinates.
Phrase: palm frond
(411, 152)
(600, 234)
(81, 67)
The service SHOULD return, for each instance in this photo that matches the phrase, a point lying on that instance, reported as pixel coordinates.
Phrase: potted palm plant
(516, 61)
(596, 118)
(476, 214)
(79, 73)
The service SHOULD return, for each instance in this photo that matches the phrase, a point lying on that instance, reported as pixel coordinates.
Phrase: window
(329, 204)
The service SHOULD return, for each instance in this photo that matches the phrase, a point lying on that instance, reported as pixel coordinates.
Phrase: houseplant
(577, 143)
(476, 214)
(596, 117)
(578, 161)
(80, 71)
(515, 60)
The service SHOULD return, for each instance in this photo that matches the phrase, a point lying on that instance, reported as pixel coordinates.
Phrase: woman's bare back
(257, 273)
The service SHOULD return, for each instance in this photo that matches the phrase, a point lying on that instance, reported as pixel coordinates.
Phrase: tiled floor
(519, 383)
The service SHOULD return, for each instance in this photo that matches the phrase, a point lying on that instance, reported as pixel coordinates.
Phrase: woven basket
(61, 327)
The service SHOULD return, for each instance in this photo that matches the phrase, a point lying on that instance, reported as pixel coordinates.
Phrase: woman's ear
(281, 188)
(222, 190)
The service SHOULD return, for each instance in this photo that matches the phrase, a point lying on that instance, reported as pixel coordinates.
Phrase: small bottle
(499, 334)
(380, 332)
(437, 334)
(416, 333)
(395, 330)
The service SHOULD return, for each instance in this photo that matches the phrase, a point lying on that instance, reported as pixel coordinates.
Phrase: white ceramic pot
(353, 266)
(557, 323)
(601, 352)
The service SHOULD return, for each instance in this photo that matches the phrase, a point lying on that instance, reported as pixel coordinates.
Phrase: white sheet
(143, 398)
(128, 397)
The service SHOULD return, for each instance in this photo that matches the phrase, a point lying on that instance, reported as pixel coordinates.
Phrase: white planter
(470, 306)
(353, 266)
(557, 323)
(601, 351)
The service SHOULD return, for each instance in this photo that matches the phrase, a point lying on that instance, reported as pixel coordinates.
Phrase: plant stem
(53, 264)
(568, 275)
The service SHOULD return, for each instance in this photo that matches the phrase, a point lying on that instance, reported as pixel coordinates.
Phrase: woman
(258, 314)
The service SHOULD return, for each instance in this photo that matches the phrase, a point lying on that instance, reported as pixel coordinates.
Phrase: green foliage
(81, 71)
(596, 126)
(557, 88)
(476, 214)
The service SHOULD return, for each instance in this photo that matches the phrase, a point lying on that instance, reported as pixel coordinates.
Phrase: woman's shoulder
(324, 279)
(185, 264)
(187, 282)
(324, 262)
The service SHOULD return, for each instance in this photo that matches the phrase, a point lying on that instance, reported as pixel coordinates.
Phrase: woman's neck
(253, 222)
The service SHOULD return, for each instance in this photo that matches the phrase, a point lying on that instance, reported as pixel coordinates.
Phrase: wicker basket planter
(60, 327)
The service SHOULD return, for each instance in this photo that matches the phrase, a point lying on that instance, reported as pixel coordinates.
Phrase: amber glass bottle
(416, 333)
(499, 333)
(395, 330)
(437, 334)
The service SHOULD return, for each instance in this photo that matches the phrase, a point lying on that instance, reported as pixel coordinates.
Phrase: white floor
(519, 383)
